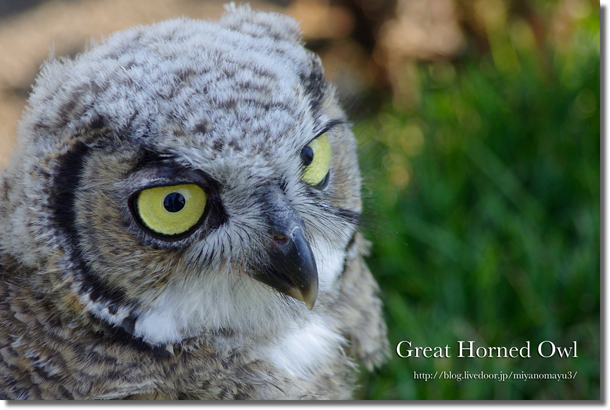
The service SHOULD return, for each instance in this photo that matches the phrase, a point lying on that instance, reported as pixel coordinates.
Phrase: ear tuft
(260, 24)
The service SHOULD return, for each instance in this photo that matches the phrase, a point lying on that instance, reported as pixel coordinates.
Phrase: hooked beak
(292, 268)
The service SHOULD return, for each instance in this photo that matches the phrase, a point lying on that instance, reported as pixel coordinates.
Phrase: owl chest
(291, 367)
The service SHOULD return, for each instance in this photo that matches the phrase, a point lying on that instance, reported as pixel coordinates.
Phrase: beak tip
(310, 293)
(311, 297)
(308, 296)
(310, 304)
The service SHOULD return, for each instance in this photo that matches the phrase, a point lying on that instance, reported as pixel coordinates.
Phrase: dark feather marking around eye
(149, 158)
(62, 201)
(328, 125)
(348, 249)
(346, 215)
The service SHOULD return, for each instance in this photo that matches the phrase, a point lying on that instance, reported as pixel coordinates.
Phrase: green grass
(484, 205)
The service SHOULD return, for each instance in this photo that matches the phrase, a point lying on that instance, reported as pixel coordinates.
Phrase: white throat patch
(300, 352)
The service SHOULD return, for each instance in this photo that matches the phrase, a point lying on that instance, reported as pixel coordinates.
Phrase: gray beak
(292, 268)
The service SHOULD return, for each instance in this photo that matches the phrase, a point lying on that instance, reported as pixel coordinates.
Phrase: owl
(180, 221)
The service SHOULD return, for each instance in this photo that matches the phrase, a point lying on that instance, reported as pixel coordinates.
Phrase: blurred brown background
(370, 48)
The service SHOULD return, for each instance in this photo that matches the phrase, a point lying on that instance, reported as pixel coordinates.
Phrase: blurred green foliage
(485, 219)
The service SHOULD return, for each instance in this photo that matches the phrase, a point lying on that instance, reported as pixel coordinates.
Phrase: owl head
(184, 177)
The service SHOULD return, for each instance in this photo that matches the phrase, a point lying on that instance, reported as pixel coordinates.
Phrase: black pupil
(307, 155)
(174, 202)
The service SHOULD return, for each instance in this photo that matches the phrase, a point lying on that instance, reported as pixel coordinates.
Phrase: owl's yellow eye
(316, 157)
(171, 210)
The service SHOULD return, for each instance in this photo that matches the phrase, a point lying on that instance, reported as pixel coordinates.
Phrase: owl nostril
(280, 240)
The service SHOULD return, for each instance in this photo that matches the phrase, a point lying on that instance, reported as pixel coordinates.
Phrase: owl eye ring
(315, 159)
(170, 211)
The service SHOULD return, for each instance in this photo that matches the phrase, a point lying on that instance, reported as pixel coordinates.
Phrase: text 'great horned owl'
(180, 222)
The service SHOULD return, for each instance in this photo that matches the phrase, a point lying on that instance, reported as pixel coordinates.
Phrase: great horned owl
(180, 221)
